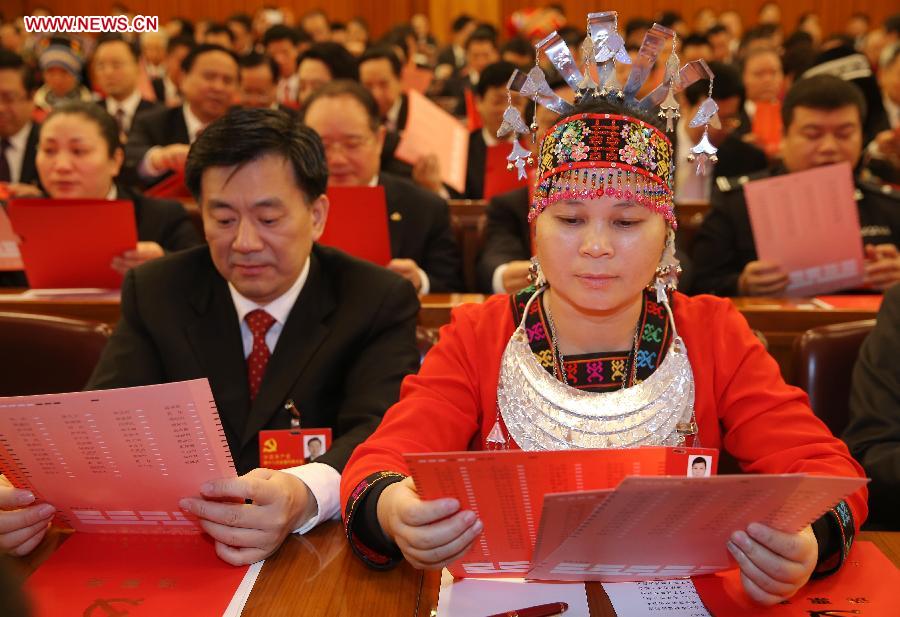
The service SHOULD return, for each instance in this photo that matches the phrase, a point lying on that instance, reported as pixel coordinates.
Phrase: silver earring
(668, 270)
(535, 274)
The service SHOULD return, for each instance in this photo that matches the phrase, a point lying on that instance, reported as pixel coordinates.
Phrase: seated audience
(323, 63)
(481, 50)
(424, 251)
(873, 432)
(315, 23)
(79, 156)
(283, 43)
(259, 83)
(18, 133)
(333, 334)
(168, 87)
(61, 66)
(823, 125)
(117, 71)
(519, 52)
(380, 73)
(241, 26)
(159, 140)
(218, 34)
(763, 78)
(453, 57)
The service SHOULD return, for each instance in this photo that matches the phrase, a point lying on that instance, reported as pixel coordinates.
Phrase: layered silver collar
(542, 413)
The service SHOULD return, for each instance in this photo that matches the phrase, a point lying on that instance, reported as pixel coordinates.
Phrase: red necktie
(259, 323)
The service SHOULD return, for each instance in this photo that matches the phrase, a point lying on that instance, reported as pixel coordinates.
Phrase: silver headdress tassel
(608, 48)
(707, 115)
(515, 124)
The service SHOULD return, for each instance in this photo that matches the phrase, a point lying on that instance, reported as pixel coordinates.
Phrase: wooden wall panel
(382, 14)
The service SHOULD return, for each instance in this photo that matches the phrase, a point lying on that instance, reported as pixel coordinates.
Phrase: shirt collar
(18, 139)
(112, 193)
(491, 139)
(373, 181)
(279, 308)
(129, 104)
(194, 125)
(394, 112)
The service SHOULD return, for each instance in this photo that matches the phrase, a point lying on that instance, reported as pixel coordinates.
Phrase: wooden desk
(103, 309)
(318, 574)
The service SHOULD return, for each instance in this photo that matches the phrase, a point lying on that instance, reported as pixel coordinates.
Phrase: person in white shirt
(117, 70)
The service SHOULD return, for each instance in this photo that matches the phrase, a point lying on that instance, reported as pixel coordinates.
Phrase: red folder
(855, 302)
(473, 117)
(70, 243)
(497, 178)
(170, 187)
(10, 257)
(358, 223)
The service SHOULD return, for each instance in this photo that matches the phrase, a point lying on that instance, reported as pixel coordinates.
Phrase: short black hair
(602, 105)
(825, 92)
(255, 59)
(481, 35)
(346, 87)
(892, 24)
(204, 48)
(716, 29)
(187, 26)
(182, 40)
(340, 62)
(241, 18)
(109, 129)
(114, 37)
(460, 22)
(383, 52)
(244, 135)
(312, 439)
(280, 32)
(635, 24)
(669, 18)
(11, 61)
(519, 46)
(219, 28)
(726, 85)
(494, 75)
(698, 459)
(696, 40)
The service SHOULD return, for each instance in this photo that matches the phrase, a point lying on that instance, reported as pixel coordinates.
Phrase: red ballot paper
(497, 178)
(809, 224)
(506, 489)
(170, 187)
(70, 243)
(431, 130)
(358, 223)
(855, 302)
(865, 586)
(668, 527)
(473, 117)
(10, 257)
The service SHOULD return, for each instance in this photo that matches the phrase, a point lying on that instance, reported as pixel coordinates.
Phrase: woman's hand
(774, 564)
(431, 534)
(145, 251)
(22, 523)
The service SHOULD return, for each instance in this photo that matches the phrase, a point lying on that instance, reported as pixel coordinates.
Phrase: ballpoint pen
(541, 610)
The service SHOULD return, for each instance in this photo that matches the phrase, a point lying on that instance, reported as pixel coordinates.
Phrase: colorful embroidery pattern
(371, 557)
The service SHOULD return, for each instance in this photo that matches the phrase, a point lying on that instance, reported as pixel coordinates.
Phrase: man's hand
(762, 278)
(774, 564)
(427, 173)
(888, 145)
(431, 534)
(408, 269)
(22, 524)
(245, 533)
(882, 266)
(515, 276)
(145, 251)
(18, 189)
(170, 157)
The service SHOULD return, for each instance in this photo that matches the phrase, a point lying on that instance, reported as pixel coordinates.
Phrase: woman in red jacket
(599, 354)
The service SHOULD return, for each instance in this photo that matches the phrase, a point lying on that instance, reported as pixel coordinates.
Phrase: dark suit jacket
(347, 344)
(160, 127)
(163, 221)
(419, 226)
(29, 174)
(738, 158)
(143, 107)
(159, 88)
(475, 165)
(507, 236)
(724, 243)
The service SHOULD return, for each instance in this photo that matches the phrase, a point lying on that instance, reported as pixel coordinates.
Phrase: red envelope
(358, 223)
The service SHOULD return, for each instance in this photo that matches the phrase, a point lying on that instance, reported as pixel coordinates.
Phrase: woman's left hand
(145, 251)
(774, 564)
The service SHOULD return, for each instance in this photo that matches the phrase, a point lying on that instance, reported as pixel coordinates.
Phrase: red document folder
(358, 223)
(10, 257)
(856, 302)
(865, 586)
(507, 489)
(171, 187)
(70, 243)
(497, 178)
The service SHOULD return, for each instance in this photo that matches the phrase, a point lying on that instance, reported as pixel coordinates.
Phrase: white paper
(480, 597)
(236, 606)
(675, 598)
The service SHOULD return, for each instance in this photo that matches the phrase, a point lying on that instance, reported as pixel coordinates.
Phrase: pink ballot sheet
(431, 130)
(808, 223)
(116, 461)
(670, 527)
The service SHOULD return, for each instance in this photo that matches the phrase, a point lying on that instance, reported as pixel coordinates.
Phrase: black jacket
(348, 342)
(507, 236)
(159, 127)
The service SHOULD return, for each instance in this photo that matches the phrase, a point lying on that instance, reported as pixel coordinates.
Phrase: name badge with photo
(279, 449)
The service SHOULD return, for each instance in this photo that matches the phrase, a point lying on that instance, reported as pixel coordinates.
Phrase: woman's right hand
(431, 534)
(22, 526)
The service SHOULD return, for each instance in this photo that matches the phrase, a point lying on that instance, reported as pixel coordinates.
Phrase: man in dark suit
(18, 134)
(117, 69)
(259, 82)
(270, 319)
(424, 251)
(380, 74)
(159, 140)
(168, 86)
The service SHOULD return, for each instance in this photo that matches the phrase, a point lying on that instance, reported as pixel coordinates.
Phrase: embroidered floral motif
(571, 138)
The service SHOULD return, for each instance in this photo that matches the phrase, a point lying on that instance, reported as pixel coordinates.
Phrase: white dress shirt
(128, 106)
(324, 481)
(15, 153)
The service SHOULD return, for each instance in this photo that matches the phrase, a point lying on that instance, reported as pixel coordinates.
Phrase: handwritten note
(674, 598)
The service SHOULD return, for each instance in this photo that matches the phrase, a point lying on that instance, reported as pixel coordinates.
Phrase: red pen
(541, 610)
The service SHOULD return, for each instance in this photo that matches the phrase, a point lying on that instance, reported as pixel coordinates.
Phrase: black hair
(255, 59)
(220, 28)
(602, 105)
(204, 48)
(571, 35)
(241, 18)
(312, 439)
(798, 58)
(762, 31)
(798, 37)
(383, 52)
(892, 24)
(399, 36)
(280, 32)
(337, 25)
(182, 40)
(726, 85)
(669, 18)
(340, 62)
(244, 135)
(494, 75)
(635, 24)
(97, 114)
(187, 26)
(826, 92)
(481, 35)
(460, 22)
(716, 29)
(10, 60)
(114, 37)
(346, 87)
(699, 459)
(519, 46)
(695, 40)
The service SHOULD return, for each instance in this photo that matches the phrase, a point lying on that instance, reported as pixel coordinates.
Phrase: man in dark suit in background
(18, 134)
(117, 71)
(268, 317)
(159, 140)
(380, 74)
(424, 251)
(168, 87)
(259, 83)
